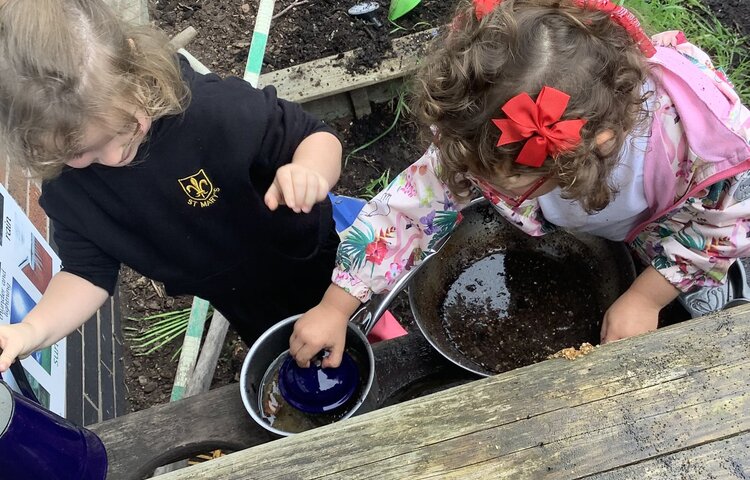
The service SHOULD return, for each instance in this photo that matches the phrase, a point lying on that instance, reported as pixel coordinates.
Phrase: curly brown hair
(67, 64)
(476, 66)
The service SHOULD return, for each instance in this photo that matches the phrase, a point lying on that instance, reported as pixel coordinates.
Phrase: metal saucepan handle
(367, 315)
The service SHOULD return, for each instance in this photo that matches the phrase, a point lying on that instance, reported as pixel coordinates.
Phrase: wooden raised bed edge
(326, 89)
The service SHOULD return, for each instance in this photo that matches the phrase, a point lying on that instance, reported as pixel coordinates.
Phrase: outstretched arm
(66, 305)
(392, 234)
(315, 169)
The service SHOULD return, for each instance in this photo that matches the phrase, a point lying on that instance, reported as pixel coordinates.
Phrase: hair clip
(619, 14)
(539, 124)
(625, 18)
(483, 7)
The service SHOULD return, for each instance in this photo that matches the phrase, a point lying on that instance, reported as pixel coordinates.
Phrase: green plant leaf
(399, 8)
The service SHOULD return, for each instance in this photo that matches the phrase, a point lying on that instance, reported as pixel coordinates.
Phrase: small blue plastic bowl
(316, 389)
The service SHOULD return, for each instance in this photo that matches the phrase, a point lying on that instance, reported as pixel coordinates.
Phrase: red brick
(18, 185)
(4, 171)
(36, 214)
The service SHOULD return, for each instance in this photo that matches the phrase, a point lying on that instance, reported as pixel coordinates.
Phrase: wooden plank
(328, 76)
(183, 38)
(724, 459)
(626, 402)
(360, 102)
(139, 442)
(200, 381)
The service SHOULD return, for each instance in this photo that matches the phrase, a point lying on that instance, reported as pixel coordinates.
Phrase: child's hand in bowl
(318, 329)
(323, 327)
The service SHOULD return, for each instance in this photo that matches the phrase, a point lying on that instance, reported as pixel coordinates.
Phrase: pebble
(142, 380)
(149, 387)
(245, 8)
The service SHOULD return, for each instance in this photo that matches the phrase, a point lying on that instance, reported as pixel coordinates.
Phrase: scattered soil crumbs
(571, 353)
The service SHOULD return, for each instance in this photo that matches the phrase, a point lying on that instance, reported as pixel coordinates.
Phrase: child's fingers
(300, 190)
(603, 333)
(286, 183)
(311, 193)
(273, 197)
(305, 354)
(333, 360)
(10, 352)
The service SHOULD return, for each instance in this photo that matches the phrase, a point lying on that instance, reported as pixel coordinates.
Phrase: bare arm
(315, 169)
(320, 152)
(637, 310)
(66, 305)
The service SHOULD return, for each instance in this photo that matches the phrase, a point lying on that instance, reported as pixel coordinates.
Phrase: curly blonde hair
(521, 46)
(69, 64)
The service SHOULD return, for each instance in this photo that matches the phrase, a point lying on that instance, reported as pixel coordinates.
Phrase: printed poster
(27, 264)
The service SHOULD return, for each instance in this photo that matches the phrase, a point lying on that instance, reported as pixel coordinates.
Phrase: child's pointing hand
(298, 187)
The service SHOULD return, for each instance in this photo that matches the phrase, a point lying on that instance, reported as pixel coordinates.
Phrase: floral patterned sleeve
(396, 229)
(400, 226)
(695, 245)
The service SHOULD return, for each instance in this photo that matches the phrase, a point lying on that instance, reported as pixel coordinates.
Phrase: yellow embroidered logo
(199, 189)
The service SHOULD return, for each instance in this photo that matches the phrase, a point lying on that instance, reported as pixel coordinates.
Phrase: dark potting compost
(306, 30)
(514, 308)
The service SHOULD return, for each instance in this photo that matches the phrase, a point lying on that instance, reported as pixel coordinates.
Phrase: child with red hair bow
(563, 114)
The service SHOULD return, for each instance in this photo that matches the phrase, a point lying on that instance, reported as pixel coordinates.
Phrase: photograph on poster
(41, 393)
(37, 266)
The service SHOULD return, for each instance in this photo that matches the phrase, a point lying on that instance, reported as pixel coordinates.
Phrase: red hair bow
(483, 7)
(539, 123)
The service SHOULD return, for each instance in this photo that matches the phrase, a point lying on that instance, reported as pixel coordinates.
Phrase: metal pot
(483, 231)
(275, 342)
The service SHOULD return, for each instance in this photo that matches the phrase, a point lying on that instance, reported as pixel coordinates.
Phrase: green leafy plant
(399, 8)
(157, 331)
(375, 185)
(728, 48)
(401, 107)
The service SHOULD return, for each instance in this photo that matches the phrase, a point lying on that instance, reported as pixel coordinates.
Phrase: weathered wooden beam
(328, 76)
(139, 442)
(628, 402)
(724, 458)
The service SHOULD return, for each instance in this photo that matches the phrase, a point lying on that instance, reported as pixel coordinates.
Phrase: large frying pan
(483, 231)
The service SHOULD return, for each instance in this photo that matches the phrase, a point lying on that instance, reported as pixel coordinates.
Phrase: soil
(733, 13)
(307, 31)
(300, 34)
(513, 308)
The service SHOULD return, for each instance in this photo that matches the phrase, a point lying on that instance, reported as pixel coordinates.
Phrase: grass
(157, 331)
(415, 27)
(727, 47)
(401, 108)
(376, 185)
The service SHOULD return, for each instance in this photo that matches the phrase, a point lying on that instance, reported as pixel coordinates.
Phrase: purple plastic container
(38, 444)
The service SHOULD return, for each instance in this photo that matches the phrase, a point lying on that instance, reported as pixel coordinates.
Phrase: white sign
(27, 264)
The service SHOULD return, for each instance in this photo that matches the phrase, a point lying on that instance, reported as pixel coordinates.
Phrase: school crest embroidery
(199, 189)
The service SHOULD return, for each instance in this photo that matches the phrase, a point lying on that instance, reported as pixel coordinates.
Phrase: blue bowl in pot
(316, 389)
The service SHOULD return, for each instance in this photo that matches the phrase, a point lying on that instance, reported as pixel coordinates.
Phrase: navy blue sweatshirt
(189, 210)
